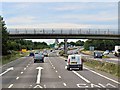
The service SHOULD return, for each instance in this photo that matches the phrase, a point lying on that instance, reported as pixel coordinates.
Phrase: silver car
(38, 57)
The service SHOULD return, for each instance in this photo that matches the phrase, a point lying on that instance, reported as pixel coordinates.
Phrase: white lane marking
(65, 67)
(9, 69)
(101, 85)
(53, 67)
(82, 85)
(65, 84)
(30, 85)
(27, 66)
(56, 71)
(111, 85)
(59, 76)
(10, 86)
(21, 72)
(81, 77)
(102, 76)
(39, 74)
(45, 86)
(38, 86)
(24, 68)
(17, 78)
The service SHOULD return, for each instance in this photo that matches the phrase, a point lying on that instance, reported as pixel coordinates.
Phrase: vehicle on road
(51, 50)
(98, 54)
(106, 52)
(45, 54)
(31, 54)
(74, 61)
(117, 51)
(39, 57)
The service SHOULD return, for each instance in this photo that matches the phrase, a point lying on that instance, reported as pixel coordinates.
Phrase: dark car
(98, 54)
(31, 54)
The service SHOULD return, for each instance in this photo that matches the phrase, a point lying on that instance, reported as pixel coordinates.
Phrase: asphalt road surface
(24, 73)
(111, 59)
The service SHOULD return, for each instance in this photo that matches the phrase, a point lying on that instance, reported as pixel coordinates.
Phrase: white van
(74, 61)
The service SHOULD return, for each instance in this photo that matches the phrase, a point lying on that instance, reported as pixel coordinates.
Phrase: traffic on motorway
(38, 70)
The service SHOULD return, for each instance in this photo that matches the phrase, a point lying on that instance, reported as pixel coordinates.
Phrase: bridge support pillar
(65, 46)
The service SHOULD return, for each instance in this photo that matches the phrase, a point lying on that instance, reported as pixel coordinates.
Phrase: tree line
(101, 44)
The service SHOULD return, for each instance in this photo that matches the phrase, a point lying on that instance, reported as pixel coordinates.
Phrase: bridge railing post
(25, 31)
(34, 31)
(108, 31)
(43, 31)
(61, 31)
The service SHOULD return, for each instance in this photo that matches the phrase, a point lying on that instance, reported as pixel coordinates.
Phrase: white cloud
(104, 17)
(21, 20)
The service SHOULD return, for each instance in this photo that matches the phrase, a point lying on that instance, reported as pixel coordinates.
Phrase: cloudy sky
(60, 15)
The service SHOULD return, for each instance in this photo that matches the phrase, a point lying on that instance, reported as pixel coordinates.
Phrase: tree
(4, 36)
(79, 43)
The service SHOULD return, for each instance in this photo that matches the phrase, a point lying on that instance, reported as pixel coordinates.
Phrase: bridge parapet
(64, 31)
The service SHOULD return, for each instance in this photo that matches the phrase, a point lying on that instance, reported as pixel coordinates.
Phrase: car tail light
(68, 61)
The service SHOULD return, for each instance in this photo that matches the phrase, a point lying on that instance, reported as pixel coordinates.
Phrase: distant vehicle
(74, 61)
(98, 54)
(39, 57)
(31, 54)
(51, 50)
(45, 54)
(117, 51)
(106, 52)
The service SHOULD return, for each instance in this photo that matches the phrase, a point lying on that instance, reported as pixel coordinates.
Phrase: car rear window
(73, 57)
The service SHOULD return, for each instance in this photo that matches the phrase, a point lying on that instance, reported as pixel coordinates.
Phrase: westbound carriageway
(64, 33)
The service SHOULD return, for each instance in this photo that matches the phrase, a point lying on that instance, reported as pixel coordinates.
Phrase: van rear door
(73, 60)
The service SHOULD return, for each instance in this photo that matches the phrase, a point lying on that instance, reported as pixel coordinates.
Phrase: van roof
(74, 55)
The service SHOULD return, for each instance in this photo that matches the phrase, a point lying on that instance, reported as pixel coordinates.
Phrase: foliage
(4, 36)
(101, 44)
(111, 68)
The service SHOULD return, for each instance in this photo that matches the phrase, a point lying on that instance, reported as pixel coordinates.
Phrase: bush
(61, 53)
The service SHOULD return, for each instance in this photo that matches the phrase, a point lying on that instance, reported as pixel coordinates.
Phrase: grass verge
(110, 68)
(11, 57)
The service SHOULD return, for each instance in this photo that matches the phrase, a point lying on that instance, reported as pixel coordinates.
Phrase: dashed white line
(21, 72)
(65, 84)
(81, 77)
(27, 66)
(53, 67)
(56, 71)
(10, 86)
(24, 68)
(17, 78)
(59, 76)
(30, 85)
(44, 86)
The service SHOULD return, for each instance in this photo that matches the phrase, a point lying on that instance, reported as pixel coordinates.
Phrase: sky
(99, 15)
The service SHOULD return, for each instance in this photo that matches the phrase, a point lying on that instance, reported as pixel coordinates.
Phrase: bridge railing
(64, 31)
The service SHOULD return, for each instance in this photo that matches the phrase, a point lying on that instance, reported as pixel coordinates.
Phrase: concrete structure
(63, 34)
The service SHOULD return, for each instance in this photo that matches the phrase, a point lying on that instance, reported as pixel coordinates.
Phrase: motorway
(111, 59)
(24, 73)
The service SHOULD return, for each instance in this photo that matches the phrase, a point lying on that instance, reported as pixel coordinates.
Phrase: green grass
(110, 68)
(11, 57)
